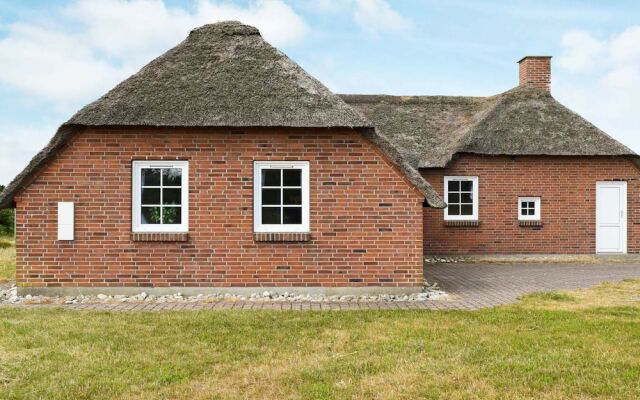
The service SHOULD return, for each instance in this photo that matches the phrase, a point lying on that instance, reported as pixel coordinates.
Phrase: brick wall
(566, 186)
(365, 218)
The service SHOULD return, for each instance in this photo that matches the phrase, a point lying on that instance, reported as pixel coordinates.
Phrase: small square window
(529, 208)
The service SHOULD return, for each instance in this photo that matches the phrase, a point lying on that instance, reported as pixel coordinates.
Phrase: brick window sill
(282, 236)
(159, 237)
(462, 223)
(530, 223)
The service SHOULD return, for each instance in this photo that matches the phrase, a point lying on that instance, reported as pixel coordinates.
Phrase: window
(160, 196)
(461, 195)
(529, 208)
(281, 196)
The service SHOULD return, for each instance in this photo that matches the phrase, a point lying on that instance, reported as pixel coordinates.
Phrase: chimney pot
(535, 71)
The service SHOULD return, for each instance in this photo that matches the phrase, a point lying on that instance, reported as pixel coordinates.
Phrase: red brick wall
(566, 186)
(365, 218)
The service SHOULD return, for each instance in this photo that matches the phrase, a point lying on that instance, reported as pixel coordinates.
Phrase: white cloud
(378, 16)
(607, 90)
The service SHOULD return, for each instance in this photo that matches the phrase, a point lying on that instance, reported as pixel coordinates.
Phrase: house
(222, 165)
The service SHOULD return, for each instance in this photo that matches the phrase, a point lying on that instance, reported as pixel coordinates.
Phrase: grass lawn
(7, 259)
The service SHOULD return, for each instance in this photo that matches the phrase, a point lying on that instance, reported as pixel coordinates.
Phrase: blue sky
(56, 56)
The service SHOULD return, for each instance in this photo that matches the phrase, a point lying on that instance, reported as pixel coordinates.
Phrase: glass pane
(271, 177)
(271, 196)
(453, 198)
(523, 204)
(292, 177)
(172, 177)
(466, 209)
(531, 211)
(271, 215)
(523, 211)
(466, 186)
(292, 215)
(150, 196)
(453, 209)
(454, 186)
(531, 204)
(292, 196)
(150, 177)
(171, 196)
(171, 215)
(150, 215)
(465, 198)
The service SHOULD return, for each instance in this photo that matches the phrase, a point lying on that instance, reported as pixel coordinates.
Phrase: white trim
(258, 166)
(623, 217)
(536, 209)
(136, 223)
(475, 197)
(66, 220)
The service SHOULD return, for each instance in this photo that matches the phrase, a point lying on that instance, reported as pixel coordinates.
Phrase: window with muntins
(160, 196)
(529, 208)
(461, 195)
(281, 196)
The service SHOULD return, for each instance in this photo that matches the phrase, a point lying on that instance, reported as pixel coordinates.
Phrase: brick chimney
(535, 71)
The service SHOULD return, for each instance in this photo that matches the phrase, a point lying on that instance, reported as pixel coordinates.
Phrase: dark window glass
(172, 177)
(466, 186)
(465, 198)
(531, 211)
(454, 209)
(292, 177)
(171, 215)
(292, 196)
(523, 204)
(523, 211)
(271, 215)
(454, 186)
(292, 215)
(150, 177)
(271, 177)
(532, 204)
(150, 196)
(271, 196)
(453, 198)
(171, 196)
(150, 215)
(466, 209)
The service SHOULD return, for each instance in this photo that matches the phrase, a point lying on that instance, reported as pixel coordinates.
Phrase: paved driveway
(473, 286)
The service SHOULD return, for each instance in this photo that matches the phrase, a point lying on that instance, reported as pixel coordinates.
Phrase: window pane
(465, 198)
(271, 215)
(531, 211)
(466, 209)
(271, 196)
(171, 196)
(292, 196)
(523, 211)
(291, 177)
(532, 204)
(453, 210)
(150, 196)
(172, 177)
(454, 186)
(453, 198)
(150, 215)
(150, 177)
(466, 186)
(171, 215)
(292, 215)
(523, 204)
(271, 177)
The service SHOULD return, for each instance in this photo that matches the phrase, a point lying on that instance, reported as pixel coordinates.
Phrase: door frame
(623, 207)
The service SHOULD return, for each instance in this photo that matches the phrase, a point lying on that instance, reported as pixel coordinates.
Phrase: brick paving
(470, 287)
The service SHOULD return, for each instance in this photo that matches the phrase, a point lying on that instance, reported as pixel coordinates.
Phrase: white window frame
(537, 209)
(474, 197)
(137, 225)
(258, 166)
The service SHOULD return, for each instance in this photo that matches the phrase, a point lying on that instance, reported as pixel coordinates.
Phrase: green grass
(544, 348)
(7, 259)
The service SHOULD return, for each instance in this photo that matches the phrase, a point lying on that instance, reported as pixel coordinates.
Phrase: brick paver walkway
(470, 287)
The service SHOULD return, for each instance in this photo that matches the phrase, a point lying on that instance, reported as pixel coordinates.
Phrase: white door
(611, 217)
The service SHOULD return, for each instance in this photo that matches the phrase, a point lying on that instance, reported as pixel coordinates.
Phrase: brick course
(366, 220)
(566, 186)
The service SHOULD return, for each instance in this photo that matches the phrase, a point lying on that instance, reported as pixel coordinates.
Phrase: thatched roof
(430, 130)
(222, 75)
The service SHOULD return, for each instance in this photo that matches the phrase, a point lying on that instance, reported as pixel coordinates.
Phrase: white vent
(65, 221)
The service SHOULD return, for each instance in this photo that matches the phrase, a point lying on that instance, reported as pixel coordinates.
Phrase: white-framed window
(529, 208)
(461, 195)
(160, 196)
(281, 196)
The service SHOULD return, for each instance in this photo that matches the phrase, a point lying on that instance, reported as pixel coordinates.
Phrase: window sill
(282, 236)
(530, 223)
(462, 223)
(159, 237)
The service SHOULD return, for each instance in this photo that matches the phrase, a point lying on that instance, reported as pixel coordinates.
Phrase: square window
(529, 208)
(461, 194)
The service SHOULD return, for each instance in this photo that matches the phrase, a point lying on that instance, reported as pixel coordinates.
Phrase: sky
(57, 56)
